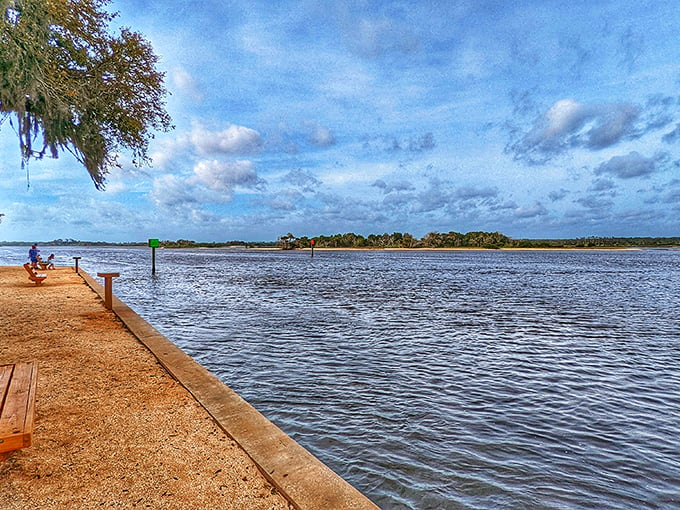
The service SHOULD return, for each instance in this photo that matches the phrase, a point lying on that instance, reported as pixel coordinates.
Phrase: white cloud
(530, 212)
(564, 117)
(169, 191)
(168, 151)
(233, 140)
(476, 192)
(224, 176)
(304, 180)
(590, 125)
(628, 166)
(568, 124)
(115, 187)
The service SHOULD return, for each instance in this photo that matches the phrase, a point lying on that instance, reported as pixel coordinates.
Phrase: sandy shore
(113, 428)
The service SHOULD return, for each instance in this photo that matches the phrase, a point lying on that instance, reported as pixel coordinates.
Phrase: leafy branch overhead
(66, 83)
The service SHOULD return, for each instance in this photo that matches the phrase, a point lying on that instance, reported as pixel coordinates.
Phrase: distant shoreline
(472, 248)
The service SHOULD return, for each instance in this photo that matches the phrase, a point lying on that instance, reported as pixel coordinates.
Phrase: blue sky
(538, 119)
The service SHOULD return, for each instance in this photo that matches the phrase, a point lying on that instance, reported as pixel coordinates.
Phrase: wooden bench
(33, 276)
(46, 264)
(18, 384)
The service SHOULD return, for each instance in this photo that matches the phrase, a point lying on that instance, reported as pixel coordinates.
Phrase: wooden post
(108, 288)
(77, 259)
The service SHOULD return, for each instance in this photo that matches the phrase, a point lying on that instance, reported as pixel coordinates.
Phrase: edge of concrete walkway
(303, 479)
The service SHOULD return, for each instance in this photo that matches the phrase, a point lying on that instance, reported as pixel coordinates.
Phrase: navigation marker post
(153, 244)
(311, 243)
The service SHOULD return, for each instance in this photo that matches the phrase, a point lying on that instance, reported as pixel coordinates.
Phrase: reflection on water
(437, 380)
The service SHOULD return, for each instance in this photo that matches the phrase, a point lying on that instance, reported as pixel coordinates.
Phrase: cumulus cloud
(233, 140)
(170, 191)
(439, 195)
(115, 187)
(302, 179)
(568, 124)
(211, 182)
(628, 166)
(442, 194)
(531, 212)
(595, 203)
(224, 176)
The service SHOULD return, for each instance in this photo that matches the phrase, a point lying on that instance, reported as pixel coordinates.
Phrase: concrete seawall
(304, 480)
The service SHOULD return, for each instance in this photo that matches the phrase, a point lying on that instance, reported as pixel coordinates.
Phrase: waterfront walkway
(114, 428)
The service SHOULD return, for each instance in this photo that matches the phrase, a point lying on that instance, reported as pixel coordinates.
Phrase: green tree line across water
(397, 240)
(487, 240)
(400, 240)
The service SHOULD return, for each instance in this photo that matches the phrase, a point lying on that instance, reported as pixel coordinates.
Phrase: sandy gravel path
(113, 429)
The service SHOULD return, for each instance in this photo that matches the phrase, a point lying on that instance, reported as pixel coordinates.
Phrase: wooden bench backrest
(18, 384)
(32, 275)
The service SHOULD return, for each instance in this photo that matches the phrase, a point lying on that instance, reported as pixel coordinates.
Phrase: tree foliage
(405, 240)
(485, 240)
(287, 241)
(66, 83)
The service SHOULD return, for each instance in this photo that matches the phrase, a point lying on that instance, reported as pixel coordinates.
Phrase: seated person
(50, 262)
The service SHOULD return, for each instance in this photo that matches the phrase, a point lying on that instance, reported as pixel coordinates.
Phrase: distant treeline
(488, 240)
(433, 240)
(600, 242)
(185, 243)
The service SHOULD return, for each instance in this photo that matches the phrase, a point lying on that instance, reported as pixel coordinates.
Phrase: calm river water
(440, 380)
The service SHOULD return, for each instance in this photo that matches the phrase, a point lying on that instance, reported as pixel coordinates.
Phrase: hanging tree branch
(70, 85)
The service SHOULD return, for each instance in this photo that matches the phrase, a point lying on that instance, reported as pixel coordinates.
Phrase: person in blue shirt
(33, 255)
